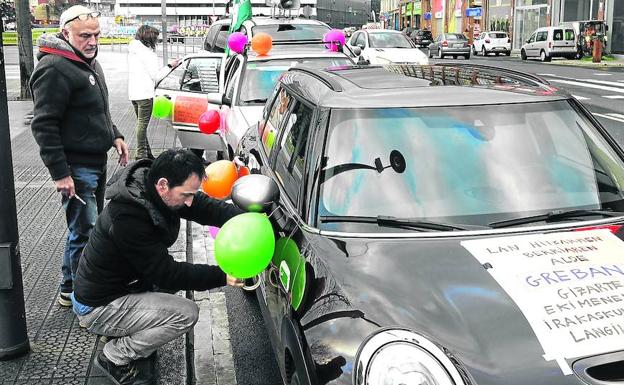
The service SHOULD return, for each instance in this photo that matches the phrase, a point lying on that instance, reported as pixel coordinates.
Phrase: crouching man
(127, 256)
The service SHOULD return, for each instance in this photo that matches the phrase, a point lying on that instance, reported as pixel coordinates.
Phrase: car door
(541, 42)
(529, 48)
(229, 114)
(187, 85)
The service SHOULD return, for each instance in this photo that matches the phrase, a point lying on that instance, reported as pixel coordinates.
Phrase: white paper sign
(569, 285)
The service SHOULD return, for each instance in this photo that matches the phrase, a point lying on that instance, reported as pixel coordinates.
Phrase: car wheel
(543, 56)
(440, 55)
(474, 50)
(467, 56)
(508, 53)
(454, 56)
(523, 55)
(483, 51)
(496, 53)
(429, 53)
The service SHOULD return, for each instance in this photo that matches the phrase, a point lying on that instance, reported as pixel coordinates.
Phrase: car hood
(433, 287)
(398, 55)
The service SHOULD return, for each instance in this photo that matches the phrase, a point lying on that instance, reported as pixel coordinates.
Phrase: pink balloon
(333, 37)
(237, 42)
(213, 231)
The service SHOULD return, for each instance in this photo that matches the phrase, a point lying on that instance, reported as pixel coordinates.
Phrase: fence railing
(177, 46)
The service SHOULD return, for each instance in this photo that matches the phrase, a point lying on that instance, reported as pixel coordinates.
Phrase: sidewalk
(61, 351)
(588, 63)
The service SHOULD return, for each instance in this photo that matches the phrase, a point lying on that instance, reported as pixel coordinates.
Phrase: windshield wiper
(554, 216)
(387, 221)
(255, 100)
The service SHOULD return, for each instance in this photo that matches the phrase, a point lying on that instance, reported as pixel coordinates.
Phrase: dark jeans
(90, 182)
(143, 111)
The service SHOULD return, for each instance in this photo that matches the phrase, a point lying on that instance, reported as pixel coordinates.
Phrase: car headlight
(394, 357)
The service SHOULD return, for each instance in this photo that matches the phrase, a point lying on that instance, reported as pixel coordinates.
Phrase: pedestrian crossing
(607, 89)
(611, 116)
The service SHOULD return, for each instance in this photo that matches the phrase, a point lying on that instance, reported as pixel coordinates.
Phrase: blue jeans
(140, 323)
(89, 182)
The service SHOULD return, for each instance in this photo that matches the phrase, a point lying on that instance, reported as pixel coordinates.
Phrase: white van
(549, 42)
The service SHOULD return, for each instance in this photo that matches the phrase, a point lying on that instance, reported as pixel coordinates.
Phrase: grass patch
(604, 58)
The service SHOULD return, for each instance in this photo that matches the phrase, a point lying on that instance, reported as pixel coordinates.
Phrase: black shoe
(129, 374)
(65, 299)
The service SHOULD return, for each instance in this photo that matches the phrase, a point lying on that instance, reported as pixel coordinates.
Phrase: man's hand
(233, 281)
(66, 186)
(122, 150)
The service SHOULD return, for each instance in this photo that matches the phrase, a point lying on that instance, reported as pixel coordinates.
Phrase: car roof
(381, 31)
(412, 86)
(288, 51)
(266, 20)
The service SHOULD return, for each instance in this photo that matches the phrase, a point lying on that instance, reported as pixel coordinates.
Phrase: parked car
(249, 80)
(384, 46)
(422, 37)
(424, 220)
(280, 29)
(548, 42)
(449, 44)
(496, 42)
(187, 85)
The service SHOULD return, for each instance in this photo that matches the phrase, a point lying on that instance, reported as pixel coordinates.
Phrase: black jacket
(127, 249)
(71, 122)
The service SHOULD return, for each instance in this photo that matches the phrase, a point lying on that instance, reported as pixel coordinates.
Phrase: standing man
(127, 256)
(73, 128)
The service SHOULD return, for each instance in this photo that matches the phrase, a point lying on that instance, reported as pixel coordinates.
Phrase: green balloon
(244, 245)
(162, 107)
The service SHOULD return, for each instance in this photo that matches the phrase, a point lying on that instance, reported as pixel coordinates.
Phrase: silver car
(450, 44)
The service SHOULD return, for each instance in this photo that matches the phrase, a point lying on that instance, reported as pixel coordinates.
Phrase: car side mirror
(357, 51)
(255, 193)
(362, 62)
(216, 98)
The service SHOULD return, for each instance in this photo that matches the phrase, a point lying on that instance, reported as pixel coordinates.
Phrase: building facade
(343, 13)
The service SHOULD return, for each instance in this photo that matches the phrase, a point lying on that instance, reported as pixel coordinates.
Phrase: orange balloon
(221, 176)
(242, 171)
(262, 43)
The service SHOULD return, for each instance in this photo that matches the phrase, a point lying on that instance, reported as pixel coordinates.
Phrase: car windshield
(388, 40)
(470, 165)
(455, 36)
(498, 35)
(290, 32)
(261, 76)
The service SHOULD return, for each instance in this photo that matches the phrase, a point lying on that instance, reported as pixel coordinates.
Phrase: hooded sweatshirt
(72, 122)
(127, 250)
(143, 71)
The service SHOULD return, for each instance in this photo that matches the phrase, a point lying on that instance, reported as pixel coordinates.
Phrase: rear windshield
(425, 33)
(498, 35)
(289, 32)
(455, 36)
(388, 40)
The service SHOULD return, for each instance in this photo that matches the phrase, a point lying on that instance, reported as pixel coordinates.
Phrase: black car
(443, 224)
(422, 38)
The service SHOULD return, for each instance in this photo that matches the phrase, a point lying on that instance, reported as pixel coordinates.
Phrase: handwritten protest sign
(569, 285)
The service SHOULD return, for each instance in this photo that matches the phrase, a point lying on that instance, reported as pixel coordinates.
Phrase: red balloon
(209, 122)
(242, 171)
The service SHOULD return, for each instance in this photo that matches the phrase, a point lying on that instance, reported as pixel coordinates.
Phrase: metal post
(163, 11)
(14, 337)
(24, 41)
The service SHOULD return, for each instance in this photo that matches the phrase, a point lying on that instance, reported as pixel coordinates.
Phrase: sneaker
(65, 299)
(129, 374)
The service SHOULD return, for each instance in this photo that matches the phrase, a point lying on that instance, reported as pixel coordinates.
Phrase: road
(601, 90)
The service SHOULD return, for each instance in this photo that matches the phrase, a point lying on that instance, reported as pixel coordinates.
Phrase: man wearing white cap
(73, 127)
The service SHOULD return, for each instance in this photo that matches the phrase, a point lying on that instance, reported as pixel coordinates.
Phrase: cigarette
(80, 199)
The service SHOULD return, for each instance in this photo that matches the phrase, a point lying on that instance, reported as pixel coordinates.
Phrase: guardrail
(177, 46)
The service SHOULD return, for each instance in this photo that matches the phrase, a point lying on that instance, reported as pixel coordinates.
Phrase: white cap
(72, 13)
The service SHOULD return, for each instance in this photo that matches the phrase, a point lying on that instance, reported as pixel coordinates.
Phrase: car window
(354, 38)
(202, 75)
(210, 37)
(569, 34)
(542, 36)
(232, 79)
(488, 165)
(388, 40)
(557, 34)
(498, 35)
(289, 164)
(274, 122)
(261, 76)
(219, 45)
(173, 81)
(455, 36)
(531, 39)
(361, 40)
(291, 32)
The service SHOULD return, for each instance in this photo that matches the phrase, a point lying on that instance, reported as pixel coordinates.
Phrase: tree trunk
(24, 42)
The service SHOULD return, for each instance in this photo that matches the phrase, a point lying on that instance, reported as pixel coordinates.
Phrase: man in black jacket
(73, 128)
(127, 256)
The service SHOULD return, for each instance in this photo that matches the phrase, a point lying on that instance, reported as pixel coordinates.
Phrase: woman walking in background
(143, 71)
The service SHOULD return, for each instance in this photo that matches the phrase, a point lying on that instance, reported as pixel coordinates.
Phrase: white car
(383, 46)
(496, 42)
(250, 79)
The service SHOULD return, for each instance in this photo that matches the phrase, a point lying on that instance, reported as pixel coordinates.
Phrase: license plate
(458, 45)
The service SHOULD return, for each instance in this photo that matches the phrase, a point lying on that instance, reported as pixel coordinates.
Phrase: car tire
(508, 53)
(496, 53)
(484, 52)
(440, 54)
(467, 57)
(474, 50)
(454, 56)
(429, 53)
(543, 57)
(523, 55)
